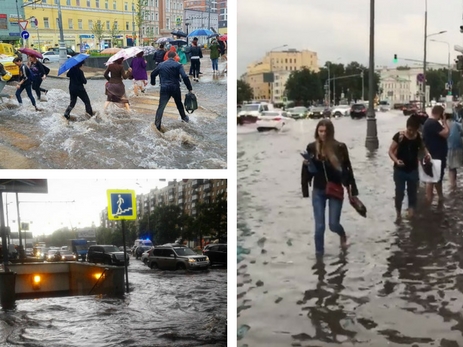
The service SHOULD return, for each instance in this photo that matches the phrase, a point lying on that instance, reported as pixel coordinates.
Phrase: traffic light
(395, 59)
(460, 63)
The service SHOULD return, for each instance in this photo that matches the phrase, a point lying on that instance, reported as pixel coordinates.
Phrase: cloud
(340, 28)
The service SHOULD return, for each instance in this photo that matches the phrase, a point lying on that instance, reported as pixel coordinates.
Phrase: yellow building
(274, 62)
(79, 17)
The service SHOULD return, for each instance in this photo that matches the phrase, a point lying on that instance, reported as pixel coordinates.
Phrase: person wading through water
(25, 82)
(330, 169)
(77, 90)
(404, 152)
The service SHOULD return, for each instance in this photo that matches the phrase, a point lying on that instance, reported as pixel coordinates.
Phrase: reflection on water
(163, 308)
(393, 286)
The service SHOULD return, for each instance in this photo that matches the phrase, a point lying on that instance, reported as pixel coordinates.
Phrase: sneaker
(67, 117)
(186, 119)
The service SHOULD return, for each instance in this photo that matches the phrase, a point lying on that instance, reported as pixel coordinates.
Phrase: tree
(98, 31)
(304, 85)
(217, 215)
(113, 32)
(61, 237)
(167, 222)
(245, 91)
(140, 7)
(103, 236)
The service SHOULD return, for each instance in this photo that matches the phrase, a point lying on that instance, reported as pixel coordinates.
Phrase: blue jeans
(319, 199)
(410, 179)
(28, 88)
(215, 64)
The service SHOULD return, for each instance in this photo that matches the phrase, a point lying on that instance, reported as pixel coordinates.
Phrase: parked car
(106, 254)
(273, 120)
(140, 250)
(217, 253)
(299, 112)
(177, 257)
(145, 256)
(51, 57)
(69, 51)
(358, 111)
(340, 111)
(316, 112)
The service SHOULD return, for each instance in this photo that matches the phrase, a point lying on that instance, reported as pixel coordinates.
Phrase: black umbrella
(178, 43)
(213, 35)
(179, 33)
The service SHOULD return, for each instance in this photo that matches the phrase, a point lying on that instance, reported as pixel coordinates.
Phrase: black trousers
(82, 94)
(36, 86)
(164, 97)
(195, 65)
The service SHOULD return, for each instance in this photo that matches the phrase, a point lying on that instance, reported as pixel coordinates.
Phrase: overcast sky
(54, 210)
(340, 29)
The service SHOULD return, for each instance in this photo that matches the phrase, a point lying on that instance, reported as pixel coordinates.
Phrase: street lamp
(271, 70)
(371, 141)
(62, 46)
(334, 85)
(449, 67)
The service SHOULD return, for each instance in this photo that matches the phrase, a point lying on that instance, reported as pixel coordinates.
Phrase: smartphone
(305, 156)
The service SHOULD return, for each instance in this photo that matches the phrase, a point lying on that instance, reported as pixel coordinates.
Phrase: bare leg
(106, 104)
(429, 192)
(127, 106)
(135, 89)
(440, 194)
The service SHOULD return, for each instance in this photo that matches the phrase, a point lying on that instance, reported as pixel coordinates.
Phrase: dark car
(358, 111)
(409, 109)
(106, 254)
(299, 112)
(316, 112)
(217, 253)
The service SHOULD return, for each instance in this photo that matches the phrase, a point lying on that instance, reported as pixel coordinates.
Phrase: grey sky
(89, 196)
(340, 28)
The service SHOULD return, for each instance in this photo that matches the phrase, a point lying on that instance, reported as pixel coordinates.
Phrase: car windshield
(358, 106)
(184, 251)
(250, 108)
(108, 249)
(384, 103)
(299, 109)
(52, 252)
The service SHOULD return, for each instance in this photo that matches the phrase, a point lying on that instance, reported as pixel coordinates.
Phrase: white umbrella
(164, 40)
(125, 54)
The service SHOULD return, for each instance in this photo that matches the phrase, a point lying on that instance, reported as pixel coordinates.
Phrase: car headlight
(191, 260)
(207, 258)
(63, 257)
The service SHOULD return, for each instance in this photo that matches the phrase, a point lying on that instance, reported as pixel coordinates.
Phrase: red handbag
(333, 190)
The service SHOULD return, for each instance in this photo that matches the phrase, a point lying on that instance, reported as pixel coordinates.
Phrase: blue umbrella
(200, 32)
(71, 62)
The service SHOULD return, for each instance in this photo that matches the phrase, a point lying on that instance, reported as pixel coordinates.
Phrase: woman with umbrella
(140, 77)
(115, 89)
(196, 55)
(39, 73)
(77, 90)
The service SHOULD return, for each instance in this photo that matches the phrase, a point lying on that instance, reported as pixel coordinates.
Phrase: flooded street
(116, 140)
(163, 308)
(396, 285)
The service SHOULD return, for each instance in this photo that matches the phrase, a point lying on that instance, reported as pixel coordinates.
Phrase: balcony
(194, 197)
(207, 186)
(180, 201)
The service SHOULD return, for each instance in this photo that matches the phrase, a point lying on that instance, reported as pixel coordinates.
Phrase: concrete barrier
(7, 289)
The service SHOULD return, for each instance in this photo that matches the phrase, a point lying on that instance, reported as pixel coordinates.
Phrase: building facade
(281, 64)
(278, 87)
(10, 30)
(199, 19)
(222, 10)
(186, 194)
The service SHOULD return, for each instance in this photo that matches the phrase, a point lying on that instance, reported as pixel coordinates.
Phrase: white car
(146, 255)
(51, 57)
(274, 120)
(340, 111)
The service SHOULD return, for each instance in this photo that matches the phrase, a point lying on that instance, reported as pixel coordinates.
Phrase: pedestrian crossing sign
(122, 204)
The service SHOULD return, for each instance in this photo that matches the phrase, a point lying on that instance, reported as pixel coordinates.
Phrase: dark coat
(348, 179)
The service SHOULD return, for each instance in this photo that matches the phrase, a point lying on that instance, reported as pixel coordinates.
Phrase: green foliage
(245, 92)
(140, 10)
(98, 31)
(304, 85)
(436, 80)
(61, 237)
(113, 32)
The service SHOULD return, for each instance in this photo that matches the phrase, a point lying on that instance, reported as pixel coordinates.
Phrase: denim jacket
(347, 175)
(169, 72)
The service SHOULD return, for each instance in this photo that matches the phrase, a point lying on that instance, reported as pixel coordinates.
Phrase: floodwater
(163, 308)
(395, 285)
(116, 140)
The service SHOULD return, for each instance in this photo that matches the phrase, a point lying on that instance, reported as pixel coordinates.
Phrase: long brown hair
(327, 148)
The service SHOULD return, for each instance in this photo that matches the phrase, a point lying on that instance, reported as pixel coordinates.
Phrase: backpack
(191, 103)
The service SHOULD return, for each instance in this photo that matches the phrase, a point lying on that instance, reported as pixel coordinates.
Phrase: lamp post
(271, 70)
(371, 141)
(334, 85)
(62, 46)
(187, 24)
(449, 79)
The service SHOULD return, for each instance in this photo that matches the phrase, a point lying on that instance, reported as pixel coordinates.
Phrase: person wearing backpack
(196, 55)
(159, 55)
(25, 82)
(169, 73)
(39, 73)
(404, 152)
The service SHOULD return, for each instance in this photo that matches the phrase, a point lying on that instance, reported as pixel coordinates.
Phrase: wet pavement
(116, 139)
(163, 308)
(395, 285)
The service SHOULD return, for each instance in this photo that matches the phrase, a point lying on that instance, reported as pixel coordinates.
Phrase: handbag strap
(324, 169)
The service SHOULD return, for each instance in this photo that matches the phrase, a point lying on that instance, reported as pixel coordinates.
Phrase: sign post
(122, 205)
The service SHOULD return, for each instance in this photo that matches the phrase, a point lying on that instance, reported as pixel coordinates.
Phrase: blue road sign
(121, 205)
(25, 34)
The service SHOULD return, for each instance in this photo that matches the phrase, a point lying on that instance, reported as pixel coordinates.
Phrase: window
(108, 27)
(126, 6)
(79, 24)
(46, 23)
(127, 26)
(97, 3)
(290, 61)
(78, 3)
(156, 3)
(106, 4)
(157, 16)
(88, 3)
(116, 25)
(286, 61)
(70, 25)
(90, 24)
(114, 5)
(68, 2)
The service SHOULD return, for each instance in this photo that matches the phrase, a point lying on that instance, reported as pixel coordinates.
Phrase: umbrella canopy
(148, 49)
(212, 36)
(124, 54)
(71, 62)
(111, 50)
(200, 32)
(164, 40)
(30, 51)
(178, 43)
(179, 33)
(223, 37)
